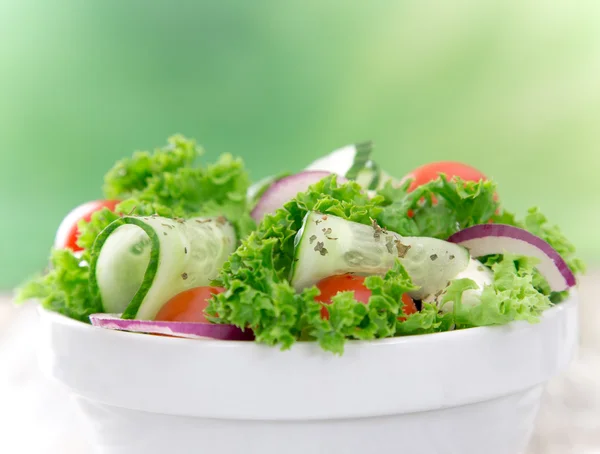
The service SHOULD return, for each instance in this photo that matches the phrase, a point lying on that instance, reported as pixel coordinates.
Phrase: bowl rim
(350, 343)
(439, 370)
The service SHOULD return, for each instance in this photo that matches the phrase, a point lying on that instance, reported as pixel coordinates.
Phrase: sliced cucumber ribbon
(362, 154)
(354, 163)
(328, 245)
(139, 263)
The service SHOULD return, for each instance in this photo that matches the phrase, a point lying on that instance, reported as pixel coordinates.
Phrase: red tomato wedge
(188, 306)
(68, 232)
(332, 285)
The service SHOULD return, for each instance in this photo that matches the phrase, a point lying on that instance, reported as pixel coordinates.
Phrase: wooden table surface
(36, 416)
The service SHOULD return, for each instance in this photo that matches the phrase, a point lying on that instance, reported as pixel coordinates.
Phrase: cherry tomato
(429, 172)
(409, 306)
(332, 285)
(188, 306)
(451, 169)
(67, 234)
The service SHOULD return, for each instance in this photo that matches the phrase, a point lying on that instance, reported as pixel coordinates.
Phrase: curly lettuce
(442, 207)
(259, 294)
(350, 319)
(166, 182)
(512, 296)
(131, 175)
(64, 289)
(439, 208)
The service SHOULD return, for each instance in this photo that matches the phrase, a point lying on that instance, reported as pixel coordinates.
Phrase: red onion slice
(285, 189)
(487, 239)
(192, 330)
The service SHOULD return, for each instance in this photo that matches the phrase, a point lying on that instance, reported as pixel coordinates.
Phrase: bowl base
(499, 426)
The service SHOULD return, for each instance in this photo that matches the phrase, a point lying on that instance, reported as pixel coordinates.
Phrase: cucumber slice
(125, 269)
(343, 160)
(362, 153)
(328, 245)
(352, 162)
(138, 264)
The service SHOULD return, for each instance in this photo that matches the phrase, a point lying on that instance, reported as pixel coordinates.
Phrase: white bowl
(467, 392)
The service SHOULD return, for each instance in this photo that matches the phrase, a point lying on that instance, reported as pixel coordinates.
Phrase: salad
(338, 251)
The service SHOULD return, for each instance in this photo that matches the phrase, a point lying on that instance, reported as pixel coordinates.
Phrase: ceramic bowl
(471, 391)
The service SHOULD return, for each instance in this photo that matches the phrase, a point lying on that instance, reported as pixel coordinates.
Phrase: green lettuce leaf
(347, 201)
(130, 175)
(215, 190)
(428, 320)
(439, 208)
(259, 294)
(350, 319)
(512, 296)
(166, 182)
(63, 289)
(89, 230)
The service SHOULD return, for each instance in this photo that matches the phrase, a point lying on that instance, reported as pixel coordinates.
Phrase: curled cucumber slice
(328, 245)
(139, 263)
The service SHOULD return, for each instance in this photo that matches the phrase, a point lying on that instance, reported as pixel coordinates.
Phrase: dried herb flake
(320, 247)
(401, 248)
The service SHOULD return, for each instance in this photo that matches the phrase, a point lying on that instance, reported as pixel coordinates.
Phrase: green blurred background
(512, 87)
